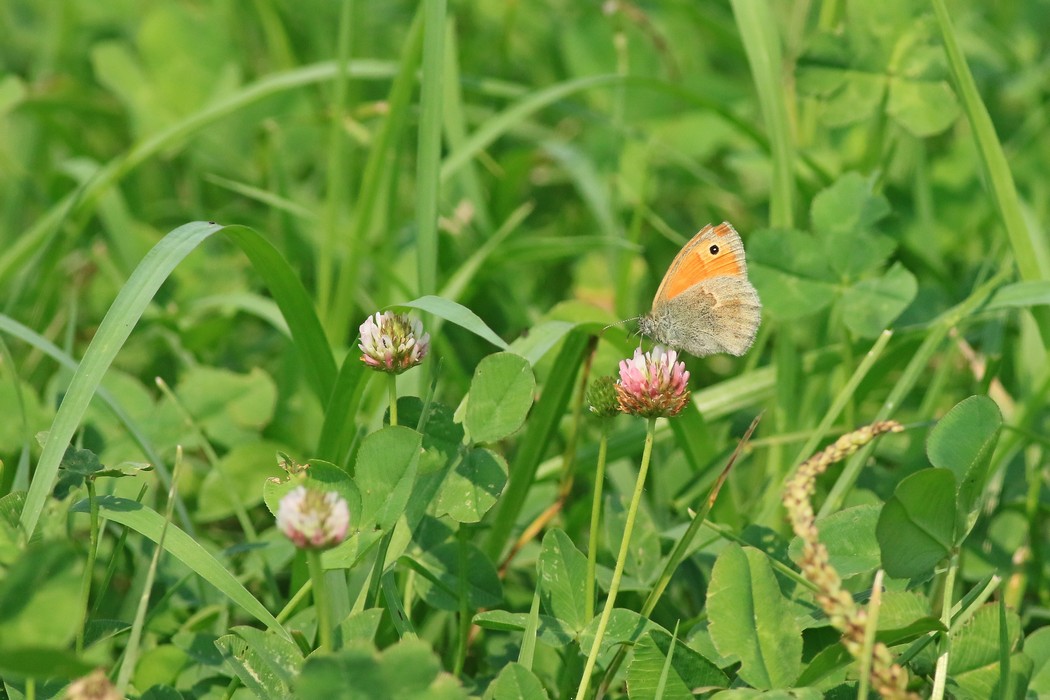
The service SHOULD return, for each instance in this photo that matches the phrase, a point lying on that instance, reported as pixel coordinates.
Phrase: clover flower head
(94, 686)
(392, 342)
(653, 384)
(313, 519)
(601, 397)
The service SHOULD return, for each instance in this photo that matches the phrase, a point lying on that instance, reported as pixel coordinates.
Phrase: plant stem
(621, 559)
(324, 618)
(596, 514)
(392, 392)
(89, 566)
(940, 676)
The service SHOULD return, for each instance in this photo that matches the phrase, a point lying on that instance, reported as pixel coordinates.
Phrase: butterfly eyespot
(713, 249)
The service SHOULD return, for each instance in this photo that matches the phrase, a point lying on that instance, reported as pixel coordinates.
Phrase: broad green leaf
(1021, 295)
(780, 694)
(515, 682)
(39, 598)
(408, 669)
(689, 670)
(500, 397)
(385, 471)
(963, 441)
(917, 525)
(1037, 648)
(974, 661)
(848, 207)
(750, 619)
(441, 584)
(871, 305)
(625, 627)
(925, 108)
(240, 473)
(265, 663)
(361, 626)
(458, 314)
(472, 486)
(231, 408)
(160, 666)
(849, 535)
(562, 572)
(28, 662)
(149, 523)
(551, 631)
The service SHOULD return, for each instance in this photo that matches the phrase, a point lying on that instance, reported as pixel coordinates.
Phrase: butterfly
(706, 304)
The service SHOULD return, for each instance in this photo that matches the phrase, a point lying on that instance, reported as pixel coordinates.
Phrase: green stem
(596, 514)
(621, 559)
(464, 606)
(940, 676)
(89, 566)
(392, 392)
(324, 618)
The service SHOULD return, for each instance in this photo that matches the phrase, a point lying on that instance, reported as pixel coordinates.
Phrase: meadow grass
(201, 204)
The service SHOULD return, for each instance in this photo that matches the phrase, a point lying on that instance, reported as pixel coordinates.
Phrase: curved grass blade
(128, 307)
(178, 544)
(458, 314)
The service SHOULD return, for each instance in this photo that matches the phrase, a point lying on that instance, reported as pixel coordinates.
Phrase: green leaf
(39, 597)
(473, 486)
(963, 442)
(408, 669)
(552, 631)
(500, 397)
(847, 207)
(849, 536)
(625, 627)
(925, 108)
(750, 619)
(240, 473)
(690, 671)
(790, 270)
(440, 583)
(871, 305)
(231, 408)
(917, 524)
(385, 471)
(265, 663)
(149, 523)
(515, 682)
(974, 661)
(457, 314)
(27, 662)
(1021, 295)
(562, 571)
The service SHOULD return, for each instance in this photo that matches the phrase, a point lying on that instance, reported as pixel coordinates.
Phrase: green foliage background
(537, 164)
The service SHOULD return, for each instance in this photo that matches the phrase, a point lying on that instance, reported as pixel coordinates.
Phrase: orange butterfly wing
(713, 252)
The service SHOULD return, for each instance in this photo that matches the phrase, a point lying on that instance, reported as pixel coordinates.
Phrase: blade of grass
(127, 308)
(1030, 248)
(370, 200)
(542, 425)
(131, 651)
(935, 336)
(81, 200)
(428, 161)
(178, 544)
(760, 35)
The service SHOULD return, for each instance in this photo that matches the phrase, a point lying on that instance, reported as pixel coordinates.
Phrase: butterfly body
(705, 303)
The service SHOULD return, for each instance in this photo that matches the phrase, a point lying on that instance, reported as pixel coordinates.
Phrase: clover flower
(601, 397)
(393, 342)
(653, 384)
(94, 686)
(313, 519)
